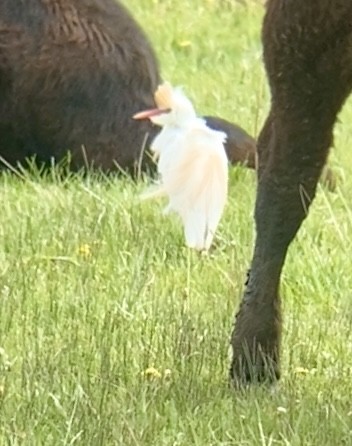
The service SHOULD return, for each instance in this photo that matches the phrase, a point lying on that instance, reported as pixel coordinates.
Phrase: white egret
(192, 164)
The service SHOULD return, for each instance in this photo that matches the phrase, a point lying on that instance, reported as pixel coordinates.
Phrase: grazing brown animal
(308, 60)
(72, 75)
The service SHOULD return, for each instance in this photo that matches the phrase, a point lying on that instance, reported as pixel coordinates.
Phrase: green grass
(97, 287)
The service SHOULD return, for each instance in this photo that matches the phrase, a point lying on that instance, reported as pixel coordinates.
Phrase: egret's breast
(168, 145)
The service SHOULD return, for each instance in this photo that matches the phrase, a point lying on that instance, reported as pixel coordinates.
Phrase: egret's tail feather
(198, 235)
(195, 229)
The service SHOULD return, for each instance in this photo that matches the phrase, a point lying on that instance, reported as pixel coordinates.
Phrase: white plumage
(192, 164)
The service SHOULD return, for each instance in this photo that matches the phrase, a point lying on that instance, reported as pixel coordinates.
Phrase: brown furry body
(72, 75)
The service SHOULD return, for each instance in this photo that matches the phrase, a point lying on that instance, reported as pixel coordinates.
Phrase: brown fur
(72, 74)
(308, 60)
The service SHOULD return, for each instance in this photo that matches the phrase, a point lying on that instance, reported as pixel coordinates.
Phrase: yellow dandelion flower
(185, 43)
(85, 251)
(301, 371)
(151, 373)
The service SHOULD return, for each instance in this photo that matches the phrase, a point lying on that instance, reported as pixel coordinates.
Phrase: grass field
(113, 333)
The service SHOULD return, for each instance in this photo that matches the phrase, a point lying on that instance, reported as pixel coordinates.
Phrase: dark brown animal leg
(310, 77)
(283, 198)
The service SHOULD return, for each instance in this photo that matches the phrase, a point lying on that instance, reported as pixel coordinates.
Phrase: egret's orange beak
(150, 113)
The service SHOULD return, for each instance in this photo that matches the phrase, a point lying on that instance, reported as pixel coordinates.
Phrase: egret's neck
(182, 119)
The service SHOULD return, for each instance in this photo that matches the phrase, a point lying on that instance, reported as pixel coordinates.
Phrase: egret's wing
(195, 179)
(164, 146)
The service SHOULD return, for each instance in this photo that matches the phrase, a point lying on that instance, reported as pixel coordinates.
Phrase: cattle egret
(192, 165)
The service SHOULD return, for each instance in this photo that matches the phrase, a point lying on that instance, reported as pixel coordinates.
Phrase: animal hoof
(244, 372)
(256, 344)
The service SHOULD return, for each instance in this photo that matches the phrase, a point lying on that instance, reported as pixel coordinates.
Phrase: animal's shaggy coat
(72, 74)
